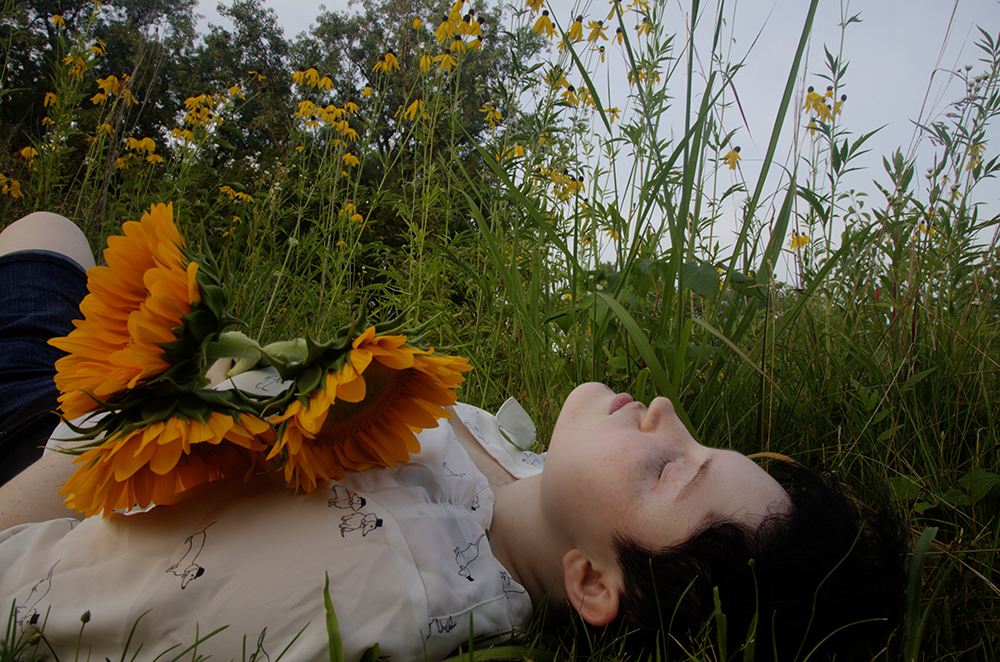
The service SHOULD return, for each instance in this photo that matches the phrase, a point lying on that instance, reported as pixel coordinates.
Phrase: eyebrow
(702, 470)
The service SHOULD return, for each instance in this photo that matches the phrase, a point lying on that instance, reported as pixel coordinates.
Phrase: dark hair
(825, 579)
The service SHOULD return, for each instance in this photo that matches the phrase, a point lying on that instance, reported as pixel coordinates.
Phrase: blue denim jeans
(40, 294)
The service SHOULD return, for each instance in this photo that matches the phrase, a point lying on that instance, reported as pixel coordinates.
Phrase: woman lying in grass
(630, 528)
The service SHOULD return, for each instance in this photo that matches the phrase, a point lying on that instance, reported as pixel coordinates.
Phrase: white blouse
(406, 550)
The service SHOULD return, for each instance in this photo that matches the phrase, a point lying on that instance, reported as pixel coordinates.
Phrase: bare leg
(44, 230)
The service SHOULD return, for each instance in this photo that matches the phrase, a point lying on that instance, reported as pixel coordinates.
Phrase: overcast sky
(901, 57)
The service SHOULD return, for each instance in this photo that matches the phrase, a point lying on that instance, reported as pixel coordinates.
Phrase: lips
(620, 401)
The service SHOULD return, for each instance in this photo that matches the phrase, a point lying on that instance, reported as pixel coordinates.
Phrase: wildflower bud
(85, 618)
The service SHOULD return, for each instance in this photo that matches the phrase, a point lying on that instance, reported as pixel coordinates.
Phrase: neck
(522, 542)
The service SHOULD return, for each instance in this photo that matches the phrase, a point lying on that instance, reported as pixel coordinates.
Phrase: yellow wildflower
(616, 8)
(29, 153)
(576, 30)
(104, 129)
(619, 36)
(426, 62)
(639, 5)
(183, 134)
(475, 44)
(99, 98)
(414, 109)
(557, 77)
(110, 85)
(476, 27)
(57, 21)
(597, 29)
(445, 31)
(11, 187)
(600, 49)
(975, 154)
(814, 102)
(368, 91)
(534, 5)
(76, 66)
(236, 93)
(837, 106)
(98, 48)
(798, 240)
(350, 159)
(50, 98)
(731, 157)
(646, 27)
(445, 61)
(829, 92)
(388, 63)
(457, 45)
(569, 96)
(357, 218)
(306, 109)
(417, 24)
(543, 25)
(493, 115)
(614, 113)
(465, 24)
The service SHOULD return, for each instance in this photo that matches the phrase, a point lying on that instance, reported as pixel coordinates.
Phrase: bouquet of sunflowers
(133, 385)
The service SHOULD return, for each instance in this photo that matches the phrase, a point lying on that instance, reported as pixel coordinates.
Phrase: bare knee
(44, 230)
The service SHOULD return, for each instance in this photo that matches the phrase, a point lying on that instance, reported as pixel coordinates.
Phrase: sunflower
(366, 413)
(154, 463)
(134, 305)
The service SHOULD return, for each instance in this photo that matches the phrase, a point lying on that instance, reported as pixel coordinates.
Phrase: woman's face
(617, 467)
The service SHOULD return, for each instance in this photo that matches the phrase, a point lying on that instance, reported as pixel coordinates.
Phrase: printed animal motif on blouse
(449, 472)
(28, 612)
(345, 499)
(364, 522)
(465, 556)
(187, 568)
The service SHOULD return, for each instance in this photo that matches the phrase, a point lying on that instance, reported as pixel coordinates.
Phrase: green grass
(882, 355)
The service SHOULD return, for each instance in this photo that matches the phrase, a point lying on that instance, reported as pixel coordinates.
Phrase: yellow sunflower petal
(134, 304)
(368, 412)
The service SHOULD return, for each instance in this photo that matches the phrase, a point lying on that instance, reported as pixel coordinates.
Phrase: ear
(593, 591)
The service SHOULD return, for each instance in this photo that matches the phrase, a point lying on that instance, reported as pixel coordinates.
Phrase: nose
(662, 419)
(659, 414)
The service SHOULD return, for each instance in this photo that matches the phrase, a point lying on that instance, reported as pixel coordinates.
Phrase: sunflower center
(383, 386)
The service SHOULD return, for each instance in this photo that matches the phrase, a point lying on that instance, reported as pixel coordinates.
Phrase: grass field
(571, 242)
